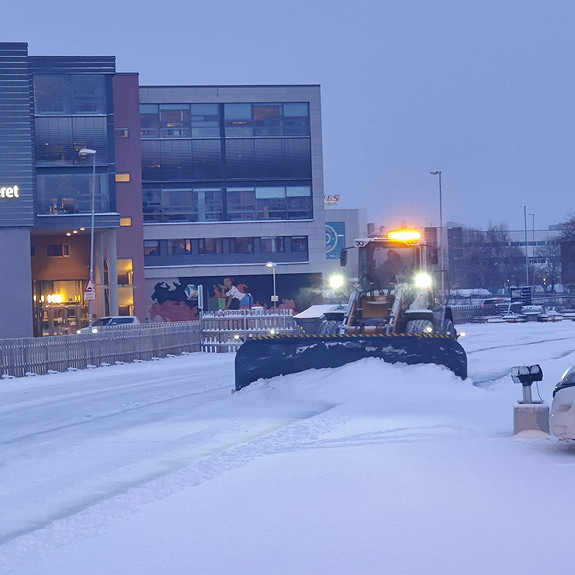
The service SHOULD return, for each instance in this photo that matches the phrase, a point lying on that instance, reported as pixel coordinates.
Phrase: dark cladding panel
(17, 180)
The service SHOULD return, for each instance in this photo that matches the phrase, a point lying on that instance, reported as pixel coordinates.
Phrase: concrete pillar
(111, 250)
(100, 303)
(16, 298)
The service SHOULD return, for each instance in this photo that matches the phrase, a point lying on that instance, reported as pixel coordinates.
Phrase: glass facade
(226, 162)
(71, 113)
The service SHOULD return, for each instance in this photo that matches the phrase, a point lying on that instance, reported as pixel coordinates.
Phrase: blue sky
(482, 90)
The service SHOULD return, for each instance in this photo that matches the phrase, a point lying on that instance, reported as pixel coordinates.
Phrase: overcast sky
(480, 89)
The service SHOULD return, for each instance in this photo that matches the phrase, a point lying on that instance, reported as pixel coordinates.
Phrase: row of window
(184, 160)
(53, 250)
(227, 204)
(70, 94)
(59, 139)
(220, 246)
(217, 120)
(71, 193)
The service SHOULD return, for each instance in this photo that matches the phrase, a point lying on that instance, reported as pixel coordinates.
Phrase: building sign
(330, 201)
(9, 192)
(334, 239)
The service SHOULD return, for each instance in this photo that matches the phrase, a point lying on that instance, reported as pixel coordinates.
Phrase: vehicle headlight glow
(336, 281)
(423, 280)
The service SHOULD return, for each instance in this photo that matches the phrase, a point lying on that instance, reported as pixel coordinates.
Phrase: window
(272, 244)
(121, 132)
(57, 250)
(210, 246)
(241, 204)
(126, 222)
(51, 94)
(151, 248)
(267, 119)
(299, 244)
(77, 94)
(149, 121)
(238, 120)
(205, 120)
(88, 94)
(260, 120)
(296, 119)
(299, 202)
(122, 177)
(241, 245)
(271, 203)
(32, 251)
(179, 247)
(175, 121)
(71, 193)
(58, 140)
(125, 272)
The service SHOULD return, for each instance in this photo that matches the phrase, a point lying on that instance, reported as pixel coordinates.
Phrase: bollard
(529, 415)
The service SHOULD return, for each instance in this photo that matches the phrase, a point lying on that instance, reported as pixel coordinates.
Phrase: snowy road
(82, 451)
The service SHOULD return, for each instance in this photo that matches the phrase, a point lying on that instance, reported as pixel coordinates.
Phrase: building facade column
(100, 304)
(112, 252)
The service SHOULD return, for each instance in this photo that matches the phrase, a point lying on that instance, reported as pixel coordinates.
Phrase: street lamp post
(440, 236)
(89, 152)
(526, 248)
(274, 296)
(533, 233)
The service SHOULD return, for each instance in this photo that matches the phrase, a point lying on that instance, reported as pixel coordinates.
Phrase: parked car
(489, 305)
(109, 322)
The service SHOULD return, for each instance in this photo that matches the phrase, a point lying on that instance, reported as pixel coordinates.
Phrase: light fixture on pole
(440, 236)
(274, 296)
(89, 152)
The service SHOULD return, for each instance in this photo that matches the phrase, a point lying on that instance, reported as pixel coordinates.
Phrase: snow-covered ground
(157, 468)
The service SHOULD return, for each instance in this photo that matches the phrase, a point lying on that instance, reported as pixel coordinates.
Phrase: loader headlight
(336, 281)
(422, 280)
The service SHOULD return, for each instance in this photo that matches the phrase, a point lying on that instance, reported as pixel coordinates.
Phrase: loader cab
(383, 262)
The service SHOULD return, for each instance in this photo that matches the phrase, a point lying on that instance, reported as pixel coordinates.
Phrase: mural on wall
(334, 239)
(178, 300)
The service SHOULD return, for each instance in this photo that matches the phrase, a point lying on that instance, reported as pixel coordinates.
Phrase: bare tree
(550, 269)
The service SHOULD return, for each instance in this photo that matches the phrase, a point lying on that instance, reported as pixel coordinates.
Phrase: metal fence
(225, 331)
(27, 356)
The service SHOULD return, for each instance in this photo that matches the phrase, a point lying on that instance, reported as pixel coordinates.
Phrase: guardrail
(38, 356)
(224, 331)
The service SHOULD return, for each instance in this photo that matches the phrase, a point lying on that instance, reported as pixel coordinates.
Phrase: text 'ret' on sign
(9, 192)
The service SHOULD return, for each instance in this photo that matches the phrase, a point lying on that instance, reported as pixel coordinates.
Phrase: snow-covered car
(110, 322)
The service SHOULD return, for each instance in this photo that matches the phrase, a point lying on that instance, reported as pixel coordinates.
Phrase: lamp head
(87, 152)
(270, 265)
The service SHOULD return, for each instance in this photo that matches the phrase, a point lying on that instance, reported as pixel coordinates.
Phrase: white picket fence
(38, 356)
(225, 331)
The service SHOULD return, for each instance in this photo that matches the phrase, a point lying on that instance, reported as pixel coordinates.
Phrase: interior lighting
(404, 235)
(55, 298)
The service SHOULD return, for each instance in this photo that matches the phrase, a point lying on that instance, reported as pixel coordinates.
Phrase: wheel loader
(394, 314)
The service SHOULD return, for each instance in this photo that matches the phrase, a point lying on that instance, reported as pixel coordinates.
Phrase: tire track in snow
(93, 513)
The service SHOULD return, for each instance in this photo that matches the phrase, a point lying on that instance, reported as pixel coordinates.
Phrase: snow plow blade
(266, 357)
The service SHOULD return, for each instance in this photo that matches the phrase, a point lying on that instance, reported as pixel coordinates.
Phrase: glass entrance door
(59, 308)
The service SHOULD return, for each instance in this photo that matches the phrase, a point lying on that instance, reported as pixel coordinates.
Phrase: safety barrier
(38, 356)
(225, 331)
